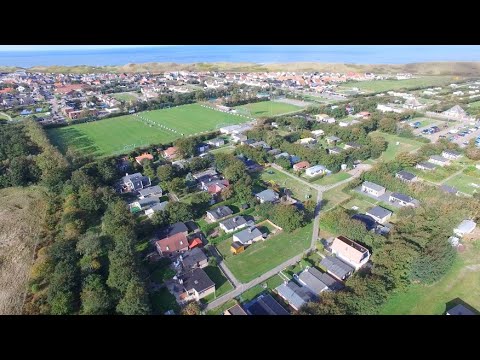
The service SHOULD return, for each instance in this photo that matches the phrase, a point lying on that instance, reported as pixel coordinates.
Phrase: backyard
(332, 179)
(162, 301)
(222, 285)
(266, 108)
(465, 183)
(300, 191)
(438, 174)
(125, 96)
(332, 198)
(404, 145)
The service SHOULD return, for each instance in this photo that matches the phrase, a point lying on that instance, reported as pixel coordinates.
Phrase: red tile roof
(195, 242)
(302, 165)
(144, 156)
(67, 88)
(174, 243)
(171, 151)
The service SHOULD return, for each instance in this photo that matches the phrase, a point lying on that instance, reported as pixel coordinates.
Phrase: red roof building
(144, 156)
(170, 153)
(172, 245)
(301, 165)
(195, 242)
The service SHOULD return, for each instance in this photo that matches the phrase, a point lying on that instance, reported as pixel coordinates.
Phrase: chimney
(126, 174)
(234, 219)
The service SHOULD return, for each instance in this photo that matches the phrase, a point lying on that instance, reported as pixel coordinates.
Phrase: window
(167, 248)
(181, 242)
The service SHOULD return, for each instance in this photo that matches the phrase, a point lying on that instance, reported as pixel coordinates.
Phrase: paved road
(316, 220)
(223, 266)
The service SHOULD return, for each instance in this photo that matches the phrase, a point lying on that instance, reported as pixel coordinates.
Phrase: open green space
(122, 134)
(266, 108)
(333, 178)
(462, 281)
(332, 198)
(124, 97)
(423, 121)
(438, 174)
(253, 292)
(474, 105)
(162, 301)
(220, 309)
(222, 285)
(404, 145)
(300, 190)
(384, 85)
(262, 256)
(363, 205)
(464, 183)
(229, 149)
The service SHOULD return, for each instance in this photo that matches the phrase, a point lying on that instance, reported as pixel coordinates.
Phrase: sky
(67, 47)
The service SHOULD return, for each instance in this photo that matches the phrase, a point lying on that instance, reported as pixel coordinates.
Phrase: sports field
(123, 133)
(384, 85)
(266, 108)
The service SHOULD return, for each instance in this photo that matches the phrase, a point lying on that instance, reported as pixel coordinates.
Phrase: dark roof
(406, 175)
(197, 279)
(460, 309)
(267, 195)
(427, 165)
(332, 283)
(379, 212)
(451, 152)
(336, 266)
(237, 245)
(172, 230)
(448, 189)
(150, 190)
(266, 305)
(233, 222)
(368, 221)
(295, 295)
(402, 197)
(335, 149)
(247, 235)
(236, 310)
(354, 144)
(220, 212)
(311, 278)
(192, 257)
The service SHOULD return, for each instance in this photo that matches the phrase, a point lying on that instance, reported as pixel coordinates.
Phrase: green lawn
(423, 121)
(464, 183)
(474, 105)
(393, 149)
(462, 281)
(223, 150)
(162, 273)
(437, 175)
(363, 205)
(219, 310)
(162, 301)
(124, 97)
(332, 179)
(332, 198)
(300, 190)
(266, 108)
(253, 292)
(222, 285)
(384, 85)
(260, 257)
(121, 134)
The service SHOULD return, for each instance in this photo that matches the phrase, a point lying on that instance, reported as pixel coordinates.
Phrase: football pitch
(266, 108)
(124, 133)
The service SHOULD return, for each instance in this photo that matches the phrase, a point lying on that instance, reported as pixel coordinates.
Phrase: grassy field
(253, 292)
(363, 205)
(162, 301)
(300, 191)
(393, 149)
(332, 179)
(474, 105)
(22, 211)
(265, 255)
(267, 108)
(384, 85)
(423, 121)
(123, 133)
(223, 150)
(125, 97)
(332, 198)
(222, 285)
(464, 182)
(462, 281)
(219, 310)
(437, 175)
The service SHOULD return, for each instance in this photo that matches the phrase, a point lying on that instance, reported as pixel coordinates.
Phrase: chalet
(215, 187)
(439, 160)
(449, 189)
(219, 213)
(238, 138)
(150, 192)
(265, 305)
(451, 155)
(427, 166)
(324, 118)
(363, 114)
(308, 140)
(317, 281)
(216, 142)
(457, 113)
(316, 170)
(373, 189)
(267, 196)
(379, 214)
(350, 252)
(235, 310)
(248, 236)
(194, 258)
(196, 285)
(205, 176)
(332, 140)
(318, 133)
(233, 224)
(294, 159)
(260, 144)
(352, 145)
(237, 248)
(170, 153)
(283, 154)
(465, 227)
(134, 182)
(161, 206)
(302, 165)
(143, 204)
(413, 103)
(406, 176)
(335, 150)
(402, 199)
(296, 296)
(336, 267)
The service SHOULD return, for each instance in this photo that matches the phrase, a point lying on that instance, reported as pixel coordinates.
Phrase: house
(324, 118)
(460, 309)
(203, 148)
(335, 150)
(235, 310)
(143, 204)
(302, 165)
(205, 176)
(267, 196)
(265, 305)
(456, 113)
(194, 258)
(352, 145)
(248, 236)
(152, 191)
(283, 154)
(465, 227)
(134, 182)
(237, 248)
(156, 208)
(145, 156)
(215, 187)
(296, 296)
(454, 241)
(373, 189)
(439, 160)
(172, 245)
(316, 170)
(216, 142)
(318, 133)
(350, 252)
(173, 229)
(406, 176)
(427, 166)
(451, 155)
(336, 267)
(413, 103)
(317, 281)
(402, 199)
(332, 140)
(379, 214)
(219, 213)
(170, 153)
(196, 285)
(238, 138)
(449, 189)
(233, 224)
(308, 140)
(363, 114)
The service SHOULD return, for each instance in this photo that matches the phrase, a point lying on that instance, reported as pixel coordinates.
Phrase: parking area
(459, 133)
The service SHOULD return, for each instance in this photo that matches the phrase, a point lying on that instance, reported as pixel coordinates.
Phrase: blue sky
(67, 47)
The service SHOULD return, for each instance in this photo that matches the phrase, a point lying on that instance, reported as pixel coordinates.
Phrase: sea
(260, 54)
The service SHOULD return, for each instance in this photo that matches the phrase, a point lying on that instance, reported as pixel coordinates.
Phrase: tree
(178, 211)
(186, 147)
(118, 222)
(122, 267)
(94, 296)
(135, 301)
(148, 169)
(91, 247)
(235, 171)
(388, 125)
(227, 193)
(243, 191)
(63, 287)
(283, 162)
(160, 219)
(222, 161)
(107, 170)
(166, 172)
(192, 308)
(176, 186)
(287, 217)
(200, 203)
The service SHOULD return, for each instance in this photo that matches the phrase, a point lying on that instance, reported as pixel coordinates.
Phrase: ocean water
(263, 54)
